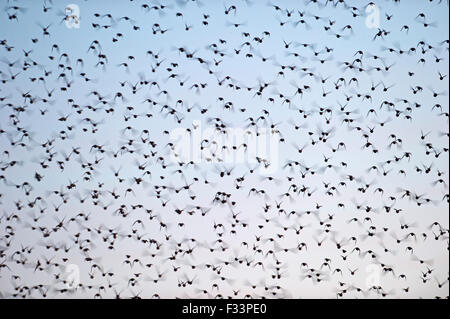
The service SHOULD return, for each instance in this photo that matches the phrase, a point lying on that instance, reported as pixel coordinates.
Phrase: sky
(256, 17)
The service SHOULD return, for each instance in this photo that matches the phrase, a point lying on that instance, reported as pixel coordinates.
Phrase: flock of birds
(93, 204)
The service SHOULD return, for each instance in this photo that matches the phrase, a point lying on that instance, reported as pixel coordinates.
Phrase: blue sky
(257, 18)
